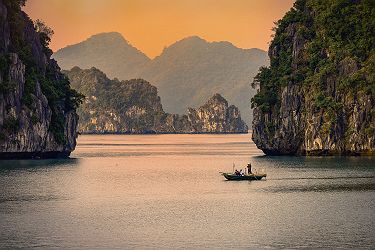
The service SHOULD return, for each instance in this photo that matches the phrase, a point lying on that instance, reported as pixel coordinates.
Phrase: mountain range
(186, 73)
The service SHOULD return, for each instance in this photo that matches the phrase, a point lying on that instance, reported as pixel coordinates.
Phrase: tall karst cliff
(318, 95)
(37, 105)
(133, 106)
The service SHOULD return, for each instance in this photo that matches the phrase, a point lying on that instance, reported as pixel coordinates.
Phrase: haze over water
(165, 192)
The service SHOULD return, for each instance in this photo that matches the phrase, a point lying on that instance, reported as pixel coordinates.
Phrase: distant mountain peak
(109, 52)
(104, 38)
(226, 43)
(109, 36)
(192, 39)
(192, 42)
(197, 39)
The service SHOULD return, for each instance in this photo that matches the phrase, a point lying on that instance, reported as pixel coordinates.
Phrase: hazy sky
(150, 25)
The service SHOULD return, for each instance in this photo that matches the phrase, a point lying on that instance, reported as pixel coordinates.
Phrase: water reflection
(319, 161)
(320, 187)
(166, 191)
(37, 163)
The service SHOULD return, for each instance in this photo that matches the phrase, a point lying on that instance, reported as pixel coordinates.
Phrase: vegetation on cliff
(28, 75)
(336, 30)
(133, 106)
(55, 86)
(114, 106)
(325, 51)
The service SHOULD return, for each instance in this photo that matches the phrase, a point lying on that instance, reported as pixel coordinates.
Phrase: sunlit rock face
(325, 94)
(31, 125)
(216, 117)
(133, 106)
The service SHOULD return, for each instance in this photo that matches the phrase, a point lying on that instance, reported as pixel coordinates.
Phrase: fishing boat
(249, 177)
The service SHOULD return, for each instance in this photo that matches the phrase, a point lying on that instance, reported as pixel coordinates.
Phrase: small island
(134, 107)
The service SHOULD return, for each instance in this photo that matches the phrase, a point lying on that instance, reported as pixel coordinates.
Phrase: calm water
(165, 192)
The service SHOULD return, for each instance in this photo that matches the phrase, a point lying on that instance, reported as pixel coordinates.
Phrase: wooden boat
(249, 177)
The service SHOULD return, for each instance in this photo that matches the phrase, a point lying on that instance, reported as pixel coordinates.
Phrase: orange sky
(150, 25)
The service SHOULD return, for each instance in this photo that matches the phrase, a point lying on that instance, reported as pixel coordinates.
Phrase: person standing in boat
(249, 168)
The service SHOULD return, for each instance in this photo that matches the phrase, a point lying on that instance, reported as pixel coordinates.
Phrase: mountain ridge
(96, 48)
(186, 72)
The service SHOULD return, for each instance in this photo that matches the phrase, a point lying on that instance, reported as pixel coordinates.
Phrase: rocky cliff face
(133, 106)
(32, 123)
(318, 95)
(215, 116)
(113, 106)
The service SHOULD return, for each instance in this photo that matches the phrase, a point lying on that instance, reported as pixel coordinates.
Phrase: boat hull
(251, 177)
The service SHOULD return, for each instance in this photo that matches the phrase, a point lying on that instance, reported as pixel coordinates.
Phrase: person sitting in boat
(249, 168)
(241, 172)
(236, 172)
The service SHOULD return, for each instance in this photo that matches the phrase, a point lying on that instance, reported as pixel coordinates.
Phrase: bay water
(166, 192)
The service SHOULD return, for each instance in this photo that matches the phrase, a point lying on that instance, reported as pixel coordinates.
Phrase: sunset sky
(150, 25)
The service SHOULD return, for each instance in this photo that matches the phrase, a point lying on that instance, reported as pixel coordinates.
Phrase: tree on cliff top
(15, 3)
(45, 35)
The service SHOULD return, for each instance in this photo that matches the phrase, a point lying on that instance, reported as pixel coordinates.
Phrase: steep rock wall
(26, 115)
(318, 95)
